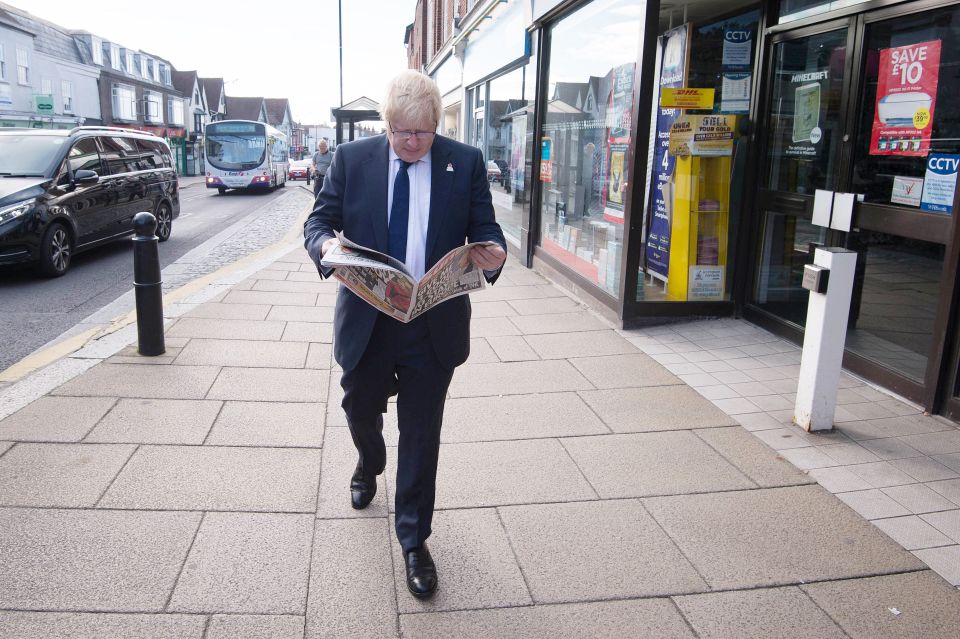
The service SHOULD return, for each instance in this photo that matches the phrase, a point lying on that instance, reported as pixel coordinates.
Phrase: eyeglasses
(406, 135)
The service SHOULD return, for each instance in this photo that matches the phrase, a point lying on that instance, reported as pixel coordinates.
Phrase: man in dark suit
(416, 196)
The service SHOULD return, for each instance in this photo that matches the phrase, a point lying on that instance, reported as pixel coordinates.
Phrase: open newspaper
(384, 282)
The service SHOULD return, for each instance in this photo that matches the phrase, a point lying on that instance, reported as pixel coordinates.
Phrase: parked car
(66, 191)
(493, 171)
(299, 169)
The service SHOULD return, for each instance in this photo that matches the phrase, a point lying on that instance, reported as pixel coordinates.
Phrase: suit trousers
(400, 360)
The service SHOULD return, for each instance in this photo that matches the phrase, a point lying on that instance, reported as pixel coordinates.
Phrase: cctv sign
(940, 183)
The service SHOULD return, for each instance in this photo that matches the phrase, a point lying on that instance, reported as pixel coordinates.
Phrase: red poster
(906, 97)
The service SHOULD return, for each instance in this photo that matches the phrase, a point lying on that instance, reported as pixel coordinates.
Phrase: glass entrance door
(804, 128)
(865, 105)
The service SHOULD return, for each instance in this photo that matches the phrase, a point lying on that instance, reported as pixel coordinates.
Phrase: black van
(65, 191)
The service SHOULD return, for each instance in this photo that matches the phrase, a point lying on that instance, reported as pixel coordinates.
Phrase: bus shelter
(360, 110)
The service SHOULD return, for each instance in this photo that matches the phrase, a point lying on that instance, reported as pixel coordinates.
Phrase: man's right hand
(329, 244)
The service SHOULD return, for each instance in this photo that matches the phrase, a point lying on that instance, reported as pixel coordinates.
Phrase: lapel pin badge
(450, 166)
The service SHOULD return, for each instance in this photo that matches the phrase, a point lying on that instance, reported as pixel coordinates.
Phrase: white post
(823, 341)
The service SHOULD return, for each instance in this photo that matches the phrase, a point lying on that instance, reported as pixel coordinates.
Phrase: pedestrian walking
(440, 198)
(321, 162)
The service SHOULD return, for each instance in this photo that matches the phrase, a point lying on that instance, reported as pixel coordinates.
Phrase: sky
(292, 52)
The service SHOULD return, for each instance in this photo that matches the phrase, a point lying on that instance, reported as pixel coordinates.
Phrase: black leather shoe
(362, 489)
(421, 573)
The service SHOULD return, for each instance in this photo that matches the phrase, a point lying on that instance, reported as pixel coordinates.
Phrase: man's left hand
(488, 258)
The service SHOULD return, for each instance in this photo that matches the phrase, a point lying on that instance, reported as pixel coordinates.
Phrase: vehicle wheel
(164, 222)
(221, 190)
(56, 249)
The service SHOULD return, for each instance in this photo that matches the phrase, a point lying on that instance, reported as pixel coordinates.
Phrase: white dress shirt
(419, 173)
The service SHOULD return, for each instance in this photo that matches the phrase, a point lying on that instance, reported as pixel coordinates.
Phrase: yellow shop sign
(684, 98)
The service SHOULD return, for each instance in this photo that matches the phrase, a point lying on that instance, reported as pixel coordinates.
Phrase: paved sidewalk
(585, 490)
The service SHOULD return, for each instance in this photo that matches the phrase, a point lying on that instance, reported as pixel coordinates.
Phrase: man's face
(413, 148)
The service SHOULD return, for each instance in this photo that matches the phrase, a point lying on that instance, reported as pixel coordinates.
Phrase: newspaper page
(384, 283)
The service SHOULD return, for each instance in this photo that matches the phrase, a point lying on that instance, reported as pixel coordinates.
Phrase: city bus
(241, 154)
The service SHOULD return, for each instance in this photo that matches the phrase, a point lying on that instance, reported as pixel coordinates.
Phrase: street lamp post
(340, 28)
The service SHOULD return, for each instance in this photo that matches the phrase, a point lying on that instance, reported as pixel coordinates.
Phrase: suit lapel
(441, 183)
(376, 172)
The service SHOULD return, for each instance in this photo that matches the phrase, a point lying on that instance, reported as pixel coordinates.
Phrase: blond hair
(412, 95)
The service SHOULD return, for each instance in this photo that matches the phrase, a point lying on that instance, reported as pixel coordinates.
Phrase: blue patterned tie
(400, 213)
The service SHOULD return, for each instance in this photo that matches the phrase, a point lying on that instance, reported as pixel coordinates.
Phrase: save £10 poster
(906, 97)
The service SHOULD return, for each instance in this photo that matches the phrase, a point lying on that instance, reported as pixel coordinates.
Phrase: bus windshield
(236, 146)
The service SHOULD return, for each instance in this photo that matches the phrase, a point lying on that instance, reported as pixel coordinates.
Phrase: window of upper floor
(165, 74)
(124, 102)
(175, 111)
(96, 49)
(115, 57)
(3, 64)
(131, 66)
(23, 66)
(66, 93)
(152, 107)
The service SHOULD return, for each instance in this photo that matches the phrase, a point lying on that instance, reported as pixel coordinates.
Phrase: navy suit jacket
(353, 200)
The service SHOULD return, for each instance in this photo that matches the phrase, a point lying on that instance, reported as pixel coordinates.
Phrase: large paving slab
(645, 464)
(242, 352)
(157, 421)
(518, 417)
(339, 462)
(602, 620)
(624, 371)
(497, 473)
(580, 320)
(275, 424)
(753, 458)
(596, 550)
(217, 478)
(213, 328)
(776, 536)
(255, 627)
(757, 614)
(87, 625)
(351, 581)
(132, 380)
(271, 385)
(516, 378)
(510, 348)
(267, 297)
(55, 419)
(88, 560)
(247, 563)
(301, 313)
(507, 293)
(581, 344)
(928, 606)
(291, 286)
(561, 304)
(634, 410)
(308, 332)
(492, 327)
(215, 310)
(475, 566)
(67, 475)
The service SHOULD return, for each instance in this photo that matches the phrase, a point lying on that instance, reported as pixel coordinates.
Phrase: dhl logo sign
(686, 98)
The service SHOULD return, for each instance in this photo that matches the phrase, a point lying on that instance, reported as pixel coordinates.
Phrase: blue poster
(940, 183)
(673, 74)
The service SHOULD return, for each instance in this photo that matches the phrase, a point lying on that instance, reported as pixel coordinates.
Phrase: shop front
(692, 155)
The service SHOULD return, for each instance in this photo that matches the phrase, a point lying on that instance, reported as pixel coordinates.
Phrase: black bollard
(147, 285)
